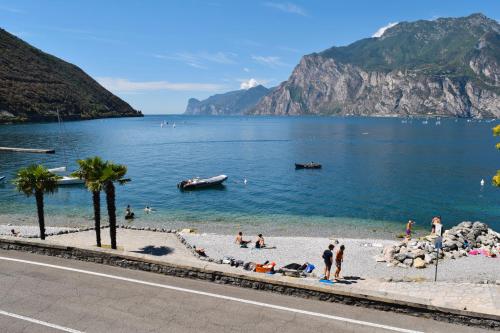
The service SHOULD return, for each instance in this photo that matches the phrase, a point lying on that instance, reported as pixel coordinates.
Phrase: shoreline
(351, 228)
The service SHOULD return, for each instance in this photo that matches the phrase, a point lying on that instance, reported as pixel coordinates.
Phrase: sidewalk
(463, 298)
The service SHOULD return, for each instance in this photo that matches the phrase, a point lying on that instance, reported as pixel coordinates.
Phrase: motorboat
(191, 184)
(66, 180)
(310, 165)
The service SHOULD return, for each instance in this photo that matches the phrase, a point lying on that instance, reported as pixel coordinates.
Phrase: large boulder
(419, 263)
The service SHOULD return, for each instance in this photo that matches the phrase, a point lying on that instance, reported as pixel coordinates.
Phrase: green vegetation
(35, 85)
(442, 47)
(110, 174)
(496, 178)
(91, 170)
(36, 180)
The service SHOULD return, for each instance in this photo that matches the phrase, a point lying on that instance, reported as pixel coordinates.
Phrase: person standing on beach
(339, 258)
(328, 259)
(409, 226)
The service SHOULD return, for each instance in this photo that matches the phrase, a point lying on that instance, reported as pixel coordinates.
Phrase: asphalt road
(46, 294)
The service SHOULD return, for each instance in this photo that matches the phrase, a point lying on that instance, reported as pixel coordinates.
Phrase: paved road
(45, 294)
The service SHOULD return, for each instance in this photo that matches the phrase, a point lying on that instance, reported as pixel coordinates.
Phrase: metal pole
(437, 260)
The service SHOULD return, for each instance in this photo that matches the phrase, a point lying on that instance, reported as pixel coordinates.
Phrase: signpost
(438, 245)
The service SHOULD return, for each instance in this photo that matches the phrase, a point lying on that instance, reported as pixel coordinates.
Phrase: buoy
(245, 181)
(482, 182)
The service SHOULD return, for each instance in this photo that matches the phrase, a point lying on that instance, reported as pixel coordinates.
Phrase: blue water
(376, 172)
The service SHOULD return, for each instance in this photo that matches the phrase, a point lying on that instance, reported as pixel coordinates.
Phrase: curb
(104, 256)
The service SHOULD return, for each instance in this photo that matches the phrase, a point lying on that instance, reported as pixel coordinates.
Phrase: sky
(157, 54)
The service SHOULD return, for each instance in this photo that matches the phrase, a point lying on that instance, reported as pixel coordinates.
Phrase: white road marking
(228, 298)
(39, 322)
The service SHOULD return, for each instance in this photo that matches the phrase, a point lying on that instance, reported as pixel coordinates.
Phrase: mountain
(448, 66)
(35, 85)
(231, 103)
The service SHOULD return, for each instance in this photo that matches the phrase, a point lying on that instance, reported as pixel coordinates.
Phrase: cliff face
(35, 85)
(231, 103)
(444, 67)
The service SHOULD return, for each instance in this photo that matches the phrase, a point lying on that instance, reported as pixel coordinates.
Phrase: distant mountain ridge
(231, 103)
(448, 66)
(35, 85)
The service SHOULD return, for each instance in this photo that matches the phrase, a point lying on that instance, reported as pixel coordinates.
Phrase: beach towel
(326, 281)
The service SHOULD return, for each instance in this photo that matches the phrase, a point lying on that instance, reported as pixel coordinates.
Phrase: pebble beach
(359, 258)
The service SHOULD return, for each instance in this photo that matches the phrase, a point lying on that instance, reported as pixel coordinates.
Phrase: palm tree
(36, 180)
(91, 170)
(112, 173)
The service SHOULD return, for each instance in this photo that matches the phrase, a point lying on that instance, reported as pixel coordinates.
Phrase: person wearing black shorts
(328, 259)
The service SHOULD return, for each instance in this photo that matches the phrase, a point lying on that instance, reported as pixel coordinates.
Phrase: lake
(377, 172)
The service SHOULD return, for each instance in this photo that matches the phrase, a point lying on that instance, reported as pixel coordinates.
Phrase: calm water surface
(376, 172)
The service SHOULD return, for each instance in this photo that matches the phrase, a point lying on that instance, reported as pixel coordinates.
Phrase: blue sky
(157, 54)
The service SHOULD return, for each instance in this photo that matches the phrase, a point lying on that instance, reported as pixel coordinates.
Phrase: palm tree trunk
(110, 201)
(96, 198)
(41, 217)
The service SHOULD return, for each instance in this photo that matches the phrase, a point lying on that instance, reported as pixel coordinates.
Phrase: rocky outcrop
(34, 86)
(447, 67)
(231, 103)
(459, 241)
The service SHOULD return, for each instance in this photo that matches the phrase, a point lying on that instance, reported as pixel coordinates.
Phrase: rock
(408, 262)
(380, 259)
(419, 263)
(402, 265)
(400, 257)
(428, 258)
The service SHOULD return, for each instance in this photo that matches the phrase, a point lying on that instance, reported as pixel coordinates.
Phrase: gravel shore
(359, 258)
(30, 230)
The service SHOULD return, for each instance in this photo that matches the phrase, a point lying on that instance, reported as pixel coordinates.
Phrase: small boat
(310, 165)
(68, 180)
(2, 178)
(191, 184)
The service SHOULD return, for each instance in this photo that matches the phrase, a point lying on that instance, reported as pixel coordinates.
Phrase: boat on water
(310, 165)
(2, 178)
(66, 180)
(191, 184)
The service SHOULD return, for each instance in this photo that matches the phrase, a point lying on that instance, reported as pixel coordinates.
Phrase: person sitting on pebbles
(240, 241)
(14, 233)
(260, 242)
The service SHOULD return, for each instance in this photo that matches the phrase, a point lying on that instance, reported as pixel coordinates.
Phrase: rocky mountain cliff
(35, 85)
(231, 103)
(449, 66)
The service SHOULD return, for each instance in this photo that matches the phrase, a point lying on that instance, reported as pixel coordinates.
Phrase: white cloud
(287, 7)
(381, 31)
(271, 61)
(245, 69)
(200, 59)
(250, 83)
(125, 85)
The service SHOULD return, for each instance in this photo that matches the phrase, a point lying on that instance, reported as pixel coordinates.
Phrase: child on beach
(328, 259)
(409, 226)
(339, 258)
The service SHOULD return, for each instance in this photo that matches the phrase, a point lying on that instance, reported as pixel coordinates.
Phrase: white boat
(66, 180)
(194, 183)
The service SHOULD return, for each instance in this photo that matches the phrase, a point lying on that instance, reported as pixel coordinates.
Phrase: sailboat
(65, 179)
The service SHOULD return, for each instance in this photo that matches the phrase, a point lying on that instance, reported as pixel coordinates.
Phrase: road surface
(46, 294)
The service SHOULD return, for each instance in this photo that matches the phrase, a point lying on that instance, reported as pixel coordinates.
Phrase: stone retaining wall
(310, 292)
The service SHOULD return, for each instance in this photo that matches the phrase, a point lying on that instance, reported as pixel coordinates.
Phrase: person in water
(339, 258)
(328, 260)
(128, 213)
(240, 241)
(260, 242)
(409, 226)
